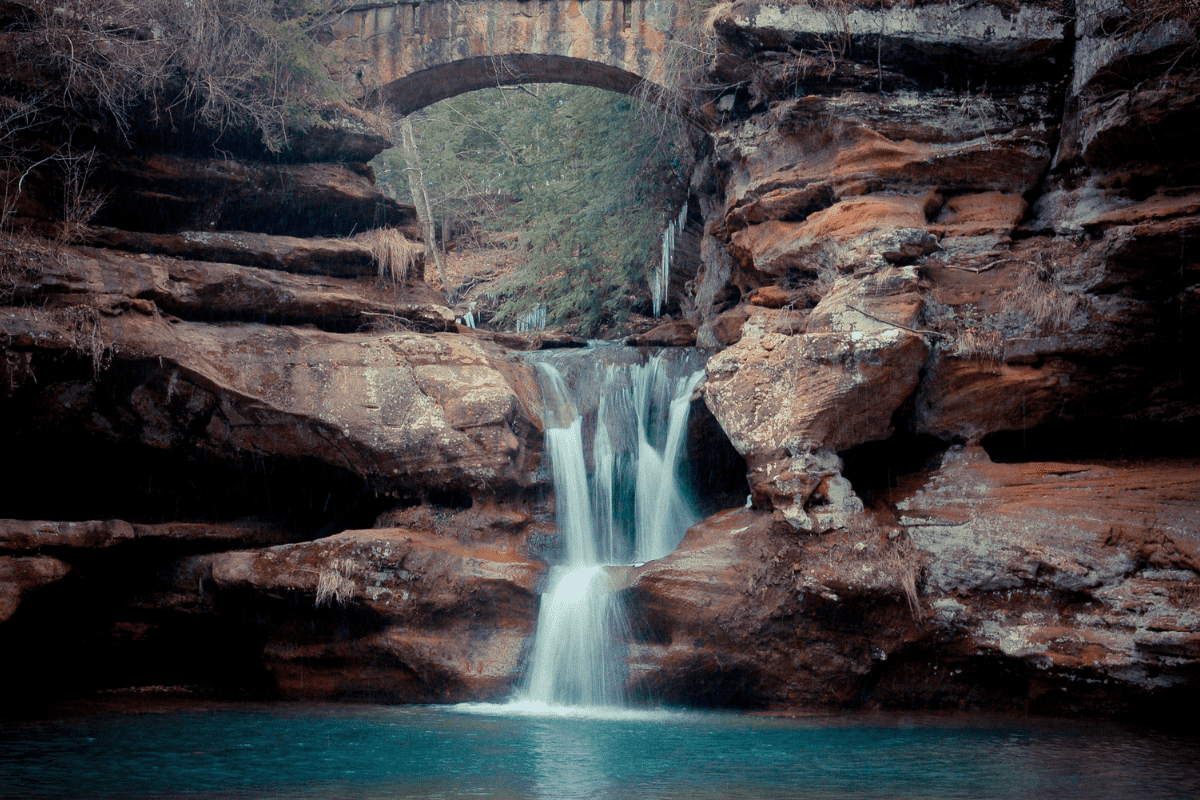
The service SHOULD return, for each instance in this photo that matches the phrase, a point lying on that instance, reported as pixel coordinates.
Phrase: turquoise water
(306, 750)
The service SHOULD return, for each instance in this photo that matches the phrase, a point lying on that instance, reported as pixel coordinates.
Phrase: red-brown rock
(114, 282)
(451, 621)
(408, 412)
(680, 333)
(1095, 563)
(344, 258)
(21, 535)
(745, 615)
(22, 574)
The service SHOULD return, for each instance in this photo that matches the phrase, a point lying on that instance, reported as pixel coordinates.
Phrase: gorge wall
(948, 283)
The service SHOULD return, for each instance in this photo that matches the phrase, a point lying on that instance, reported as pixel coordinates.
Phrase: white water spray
(632, 505)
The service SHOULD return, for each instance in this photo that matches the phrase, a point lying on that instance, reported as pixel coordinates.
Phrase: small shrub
(80, 203)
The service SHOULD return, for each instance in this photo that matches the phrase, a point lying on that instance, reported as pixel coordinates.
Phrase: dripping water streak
(671, 515)
(602, 503)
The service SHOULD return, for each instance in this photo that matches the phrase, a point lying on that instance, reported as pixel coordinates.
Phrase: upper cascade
(616, 440)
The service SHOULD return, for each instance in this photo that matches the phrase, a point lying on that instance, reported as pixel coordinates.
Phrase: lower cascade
(630, 507)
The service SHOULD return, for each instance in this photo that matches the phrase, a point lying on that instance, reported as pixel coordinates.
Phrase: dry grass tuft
(394, 255)
(1141, 16)
(1041, 296)
(904, 561)
(335, 584)
(976, 344)
(87, 339)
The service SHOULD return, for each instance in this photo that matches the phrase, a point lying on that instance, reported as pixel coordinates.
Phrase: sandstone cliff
(959, 236)
(946, 268)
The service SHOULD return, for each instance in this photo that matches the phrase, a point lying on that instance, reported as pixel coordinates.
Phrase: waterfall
(631, 507)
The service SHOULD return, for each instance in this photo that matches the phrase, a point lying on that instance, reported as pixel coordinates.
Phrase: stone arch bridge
(415, 53)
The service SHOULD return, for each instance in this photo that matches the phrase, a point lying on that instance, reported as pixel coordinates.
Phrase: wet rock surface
(746, 614)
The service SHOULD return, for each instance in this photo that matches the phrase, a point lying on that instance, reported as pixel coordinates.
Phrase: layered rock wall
(939, 228)
(217, 365)
(947, 265)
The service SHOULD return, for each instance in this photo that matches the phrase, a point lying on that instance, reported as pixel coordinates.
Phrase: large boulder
(435, 619)
(409, 412)
(747, 615)
(790, 403)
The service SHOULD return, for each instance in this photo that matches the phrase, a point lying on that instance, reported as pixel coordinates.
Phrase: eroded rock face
(965, 266)
(1075, 581)
(19, 535)
(113, 282)
(397, 408)
(434, 619)
(22, 574)
(826, 194)
(791, 402)
(746, 614)
(1081, 571)
(164, 194)
(38, 553)
(336, 257)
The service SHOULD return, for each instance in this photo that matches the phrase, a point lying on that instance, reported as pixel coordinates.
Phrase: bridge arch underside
(428, 86)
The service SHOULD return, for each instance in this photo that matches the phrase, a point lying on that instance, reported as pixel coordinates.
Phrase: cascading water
(631, 508)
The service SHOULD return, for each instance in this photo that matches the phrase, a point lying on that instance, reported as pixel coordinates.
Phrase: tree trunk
(416, 183)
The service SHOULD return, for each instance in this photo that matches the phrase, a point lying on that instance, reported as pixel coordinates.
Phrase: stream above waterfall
(149, 748)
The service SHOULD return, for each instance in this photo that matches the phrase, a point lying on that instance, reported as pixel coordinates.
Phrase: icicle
(535, 320)
(660, 281)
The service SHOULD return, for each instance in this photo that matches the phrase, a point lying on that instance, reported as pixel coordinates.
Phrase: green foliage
(582, 176)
